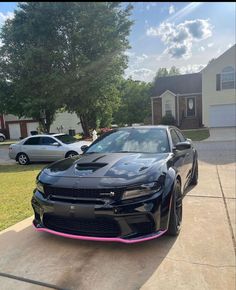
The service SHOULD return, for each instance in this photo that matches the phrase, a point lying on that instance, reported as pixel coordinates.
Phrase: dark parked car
(127, 186)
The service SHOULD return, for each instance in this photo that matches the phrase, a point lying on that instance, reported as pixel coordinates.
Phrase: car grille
(98, 227)
(83, 192)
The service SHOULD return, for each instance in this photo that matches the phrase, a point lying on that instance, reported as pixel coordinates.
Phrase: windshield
(151, 140)
(66, 139)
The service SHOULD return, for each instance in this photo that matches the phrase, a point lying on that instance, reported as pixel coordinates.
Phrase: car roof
(47, 135)
(147, 127)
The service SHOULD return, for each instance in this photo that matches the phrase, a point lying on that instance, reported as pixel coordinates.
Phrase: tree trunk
(46, 122)
(84, 124)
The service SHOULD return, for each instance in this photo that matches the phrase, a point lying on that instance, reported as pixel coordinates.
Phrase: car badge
(112, 193)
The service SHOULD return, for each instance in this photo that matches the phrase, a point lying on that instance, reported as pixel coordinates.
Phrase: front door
(191, 107)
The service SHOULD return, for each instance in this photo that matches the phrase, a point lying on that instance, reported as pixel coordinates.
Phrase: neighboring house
(180, 96)
(219, 90)
(15, 128)
(205, 99)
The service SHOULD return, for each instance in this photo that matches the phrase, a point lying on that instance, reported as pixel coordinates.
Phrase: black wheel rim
(178, 206)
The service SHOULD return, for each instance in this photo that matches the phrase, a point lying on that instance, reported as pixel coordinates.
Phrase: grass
(17, 184)
(196, 135)
(8, 142)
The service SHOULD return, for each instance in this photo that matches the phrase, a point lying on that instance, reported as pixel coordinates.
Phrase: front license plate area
(85, 211)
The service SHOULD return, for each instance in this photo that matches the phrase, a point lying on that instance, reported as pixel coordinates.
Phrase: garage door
(222, 115)
(14, 131)
(32, 126)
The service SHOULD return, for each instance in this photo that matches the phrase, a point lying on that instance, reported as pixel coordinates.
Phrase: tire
(71, 154)
(194, 178)
(175, 211)
(23, 159)
(2, 138)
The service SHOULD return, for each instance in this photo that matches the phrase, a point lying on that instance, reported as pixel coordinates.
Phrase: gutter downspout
(177, 109)
(152, 113)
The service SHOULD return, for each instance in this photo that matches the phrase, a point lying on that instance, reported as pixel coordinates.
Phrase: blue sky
(184, 34)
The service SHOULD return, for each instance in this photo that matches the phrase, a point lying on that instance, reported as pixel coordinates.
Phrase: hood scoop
(88, 168)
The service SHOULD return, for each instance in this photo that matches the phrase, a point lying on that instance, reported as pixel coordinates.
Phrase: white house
(219, 91)
(15, 127)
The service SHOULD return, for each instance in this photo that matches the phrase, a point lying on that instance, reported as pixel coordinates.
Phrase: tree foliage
(135, 102)
(164, 72)
(95, 37)
(68, 54)
(29, 62)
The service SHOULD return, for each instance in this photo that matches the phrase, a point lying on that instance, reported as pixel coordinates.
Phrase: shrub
(168, 120)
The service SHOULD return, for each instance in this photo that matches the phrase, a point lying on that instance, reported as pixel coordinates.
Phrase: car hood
(77, 145)
(107, 169)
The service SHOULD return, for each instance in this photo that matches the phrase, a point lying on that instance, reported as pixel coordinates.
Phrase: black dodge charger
(127, 186)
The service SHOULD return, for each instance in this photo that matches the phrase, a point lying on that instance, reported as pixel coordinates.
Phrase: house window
(168, 110)
(228, 78)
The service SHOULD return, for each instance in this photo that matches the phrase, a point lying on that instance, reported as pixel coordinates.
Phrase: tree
(66, 54)
(173, 71)
(95, 39)
(164, 72)
(28, 61)
(135, 103)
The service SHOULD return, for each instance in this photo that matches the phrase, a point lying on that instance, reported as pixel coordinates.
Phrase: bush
(168, 120)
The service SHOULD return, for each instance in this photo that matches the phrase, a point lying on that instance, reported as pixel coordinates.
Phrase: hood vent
(91, 167)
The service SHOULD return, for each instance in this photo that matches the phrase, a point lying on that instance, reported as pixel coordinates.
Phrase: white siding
(14, 131)
(210, 96)
(68, 121)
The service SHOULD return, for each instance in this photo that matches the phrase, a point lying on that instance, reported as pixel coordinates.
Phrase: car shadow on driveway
(75, 264)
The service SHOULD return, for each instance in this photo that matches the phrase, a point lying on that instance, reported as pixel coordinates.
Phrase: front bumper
(126, 222)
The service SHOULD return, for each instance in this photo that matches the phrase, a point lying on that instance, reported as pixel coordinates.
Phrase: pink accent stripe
(100, 239)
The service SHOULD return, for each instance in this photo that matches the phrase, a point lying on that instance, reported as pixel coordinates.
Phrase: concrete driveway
(222, 134)
(202, 257)
(4, 158)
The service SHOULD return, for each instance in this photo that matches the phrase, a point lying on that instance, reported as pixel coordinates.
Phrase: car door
(32, 148)
(189, 154)
(49, 151)
(179, 158)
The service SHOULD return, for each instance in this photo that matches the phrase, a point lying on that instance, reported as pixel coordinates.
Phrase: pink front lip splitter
(101, 239)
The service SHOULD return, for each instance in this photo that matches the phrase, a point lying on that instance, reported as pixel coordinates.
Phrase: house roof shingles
(179, 84)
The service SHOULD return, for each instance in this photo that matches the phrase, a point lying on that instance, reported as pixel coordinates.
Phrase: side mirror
(182, 146)
(56, 144)
(84, 148)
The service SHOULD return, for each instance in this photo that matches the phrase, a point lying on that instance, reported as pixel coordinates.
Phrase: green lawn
(196, 135)
(16, 187)
(8, 142)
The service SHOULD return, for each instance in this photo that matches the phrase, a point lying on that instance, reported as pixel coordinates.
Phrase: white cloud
(180, 38)
(210, 44)
(202, 48)
(148, 7)
(191, 68)
(5, 16)
(184, 11)
(141, 74)
(171, 9)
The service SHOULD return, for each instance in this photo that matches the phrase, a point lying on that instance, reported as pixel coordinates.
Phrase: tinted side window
(32, 141)
(47, 141)
(180, 135)
(174, 137)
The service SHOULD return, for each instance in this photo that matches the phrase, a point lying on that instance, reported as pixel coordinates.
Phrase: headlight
(39, 186)
(144, 189)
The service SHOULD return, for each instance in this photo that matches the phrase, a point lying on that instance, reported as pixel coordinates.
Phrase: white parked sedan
(46, 148)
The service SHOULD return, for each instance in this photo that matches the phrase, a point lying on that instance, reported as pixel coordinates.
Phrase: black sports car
(127, 186)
